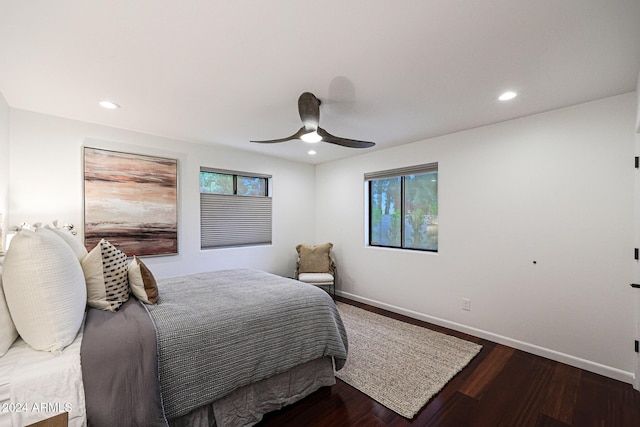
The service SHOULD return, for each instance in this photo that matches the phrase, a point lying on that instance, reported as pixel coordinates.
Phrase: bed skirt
(247, 405)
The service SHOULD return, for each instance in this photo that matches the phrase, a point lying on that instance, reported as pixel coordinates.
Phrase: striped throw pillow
(105, 271)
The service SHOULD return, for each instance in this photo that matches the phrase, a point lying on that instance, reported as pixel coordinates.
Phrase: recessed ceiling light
(311, 153)
(109, 105)
(507, 96)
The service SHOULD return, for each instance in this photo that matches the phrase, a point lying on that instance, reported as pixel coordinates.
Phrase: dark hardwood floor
(500, 387)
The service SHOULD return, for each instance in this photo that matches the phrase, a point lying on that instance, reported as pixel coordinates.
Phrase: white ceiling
(391, 72)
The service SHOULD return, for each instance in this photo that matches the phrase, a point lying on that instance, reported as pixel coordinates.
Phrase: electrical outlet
(466, 304)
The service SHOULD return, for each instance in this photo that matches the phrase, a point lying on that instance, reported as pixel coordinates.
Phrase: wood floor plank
(455, 412)
(563, 393)
(592, 406)
(485, 373)
(547, 421)
(532, 399)
(515, 396)
(603, 401)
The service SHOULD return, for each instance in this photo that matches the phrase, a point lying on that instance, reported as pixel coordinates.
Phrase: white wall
(4, 165)
(46, 184)
(556, 188)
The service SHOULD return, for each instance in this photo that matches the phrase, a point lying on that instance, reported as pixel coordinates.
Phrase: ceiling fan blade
(309, 109)
(296, 135)
(350, 143)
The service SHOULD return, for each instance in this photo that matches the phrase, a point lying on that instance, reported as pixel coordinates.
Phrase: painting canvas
(130, 200)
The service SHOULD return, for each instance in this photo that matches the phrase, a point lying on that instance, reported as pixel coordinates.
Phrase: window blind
(409, 170)
(230, 172)
(228, 220)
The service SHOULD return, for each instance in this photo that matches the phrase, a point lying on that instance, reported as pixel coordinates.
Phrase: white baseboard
(608, 371)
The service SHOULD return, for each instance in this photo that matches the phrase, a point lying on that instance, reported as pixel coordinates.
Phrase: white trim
(608, 371)
(636, 383)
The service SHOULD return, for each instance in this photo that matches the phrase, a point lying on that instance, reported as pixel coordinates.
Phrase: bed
(218, 333)
(218, 348)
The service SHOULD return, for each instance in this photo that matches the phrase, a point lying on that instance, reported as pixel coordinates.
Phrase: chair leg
(333, 285)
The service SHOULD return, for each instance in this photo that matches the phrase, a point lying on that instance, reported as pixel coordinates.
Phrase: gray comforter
(222, 330)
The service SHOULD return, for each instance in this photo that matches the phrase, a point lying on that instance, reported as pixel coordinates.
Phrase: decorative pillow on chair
(44, 288)
(314, 258)
(105, 270)
(142, 283)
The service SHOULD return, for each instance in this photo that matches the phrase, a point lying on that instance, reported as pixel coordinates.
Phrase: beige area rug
(398, 364)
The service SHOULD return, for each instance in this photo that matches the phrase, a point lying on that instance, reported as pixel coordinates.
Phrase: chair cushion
(316, 278)
(314, 258)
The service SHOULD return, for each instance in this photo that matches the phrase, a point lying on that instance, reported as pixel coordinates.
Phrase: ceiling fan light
(508, 95)
(109, 105)
(311, 137)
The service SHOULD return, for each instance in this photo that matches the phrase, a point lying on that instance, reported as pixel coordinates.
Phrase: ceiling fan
(309, 109)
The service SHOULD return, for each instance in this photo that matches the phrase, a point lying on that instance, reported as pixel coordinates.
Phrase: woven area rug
(398, 364)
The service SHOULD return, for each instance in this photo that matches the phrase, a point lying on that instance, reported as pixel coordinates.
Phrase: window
(235, 209)
(403, 207)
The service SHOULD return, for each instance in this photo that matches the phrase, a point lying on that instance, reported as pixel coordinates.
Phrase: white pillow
(45, 290)
(75, 244)
(105, 272)
(8, 333)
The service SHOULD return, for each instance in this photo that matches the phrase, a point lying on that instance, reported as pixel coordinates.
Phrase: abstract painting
(131, 200)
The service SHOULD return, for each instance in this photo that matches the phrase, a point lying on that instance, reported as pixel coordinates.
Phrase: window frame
(235, 220)
(401, 173)
(235, 175)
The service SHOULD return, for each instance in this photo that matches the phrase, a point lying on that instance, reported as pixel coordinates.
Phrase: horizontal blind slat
(234, 220)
